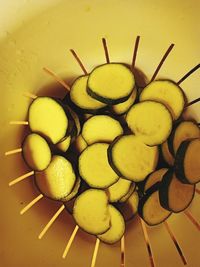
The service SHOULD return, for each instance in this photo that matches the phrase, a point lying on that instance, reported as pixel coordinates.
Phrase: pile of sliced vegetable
(109, 153)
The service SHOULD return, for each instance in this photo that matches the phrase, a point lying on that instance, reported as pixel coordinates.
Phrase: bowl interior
(43, 39)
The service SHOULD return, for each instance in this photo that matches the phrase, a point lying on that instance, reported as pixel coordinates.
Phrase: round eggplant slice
(183, 131)
(117, 227)
(91, 211)
(116, 191)
(101, 128)
(80, 143)
(154, 177)
(150, 209)
(187, 161)
(64, 144)
(167, 154)
(130, 192)
(36, 152)
(74, 191)
(151, 121)
(131, 158)
(167, 93)
(94, 167)
(174, 195)
(129, 208)
(48, 118)
(57, 180)
(80, 97)
(123, 107)
(111, 83)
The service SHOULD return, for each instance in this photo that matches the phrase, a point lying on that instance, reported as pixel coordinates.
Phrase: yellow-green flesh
(57, 181)
(124, 106)
(117, 227)
(192, 161)
(80, 143)
(91, 211)
(64, 144)
(153, 212)
(36, 152)
(112, 81)
(47, 117)
(74, 191)
(80, 97)
(119, 189)
(186, 130)
(133, 158)
(130, 191)
(151, 121)
(167, 93)
(179, 195)
(94, 167)
(154, 178)
(101, 128)
(166, 154)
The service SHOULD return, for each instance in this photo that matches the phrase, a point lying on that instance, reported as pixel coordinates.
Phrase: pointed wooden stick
(55, 216)
(29, 95)
(19, 122)
(188, 74)
(34, 201)
(162, 61)
(122, 252)
(57, 79)
(192, 102)
(20, 178)
(146, 237)
(137, 40)
(70, 242)
(198, 191)
(14, 151)
(105, 47)
(94, 256)
(192, 219)
(175, 242)
(79, 61)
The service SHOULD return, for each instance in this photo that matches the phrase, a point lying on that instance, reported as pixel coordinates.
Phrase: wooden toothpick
(94, 256)
(33, 202)
(55, 216)
(20, 178)
(69, 243)
(79, 61)
(19, 122)
(14, 151)
(106, 50)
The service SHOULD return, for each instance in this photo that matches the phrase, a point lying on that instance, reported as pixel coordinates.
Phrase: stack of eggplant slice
(99, 150)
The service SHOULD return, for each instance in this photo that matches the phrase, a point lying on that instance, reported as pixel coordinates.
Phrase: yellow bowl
(37, 34)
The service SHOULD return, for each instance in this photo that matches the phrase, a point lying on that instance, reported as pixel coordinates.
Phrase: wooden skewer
(106, 50)
(27, 94)
(146, 237)
(122, 252)
(162, 61)
(34, 201)
(70, 242)
(55, 216)
(198, 191)
(14, 151)
(19, 122)
(175, 242)
(192, 219)
(57, 79)
(188, 74)
(79, 61)
(94, 256)
(20, 178)
(137, 40)
(193, 102)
